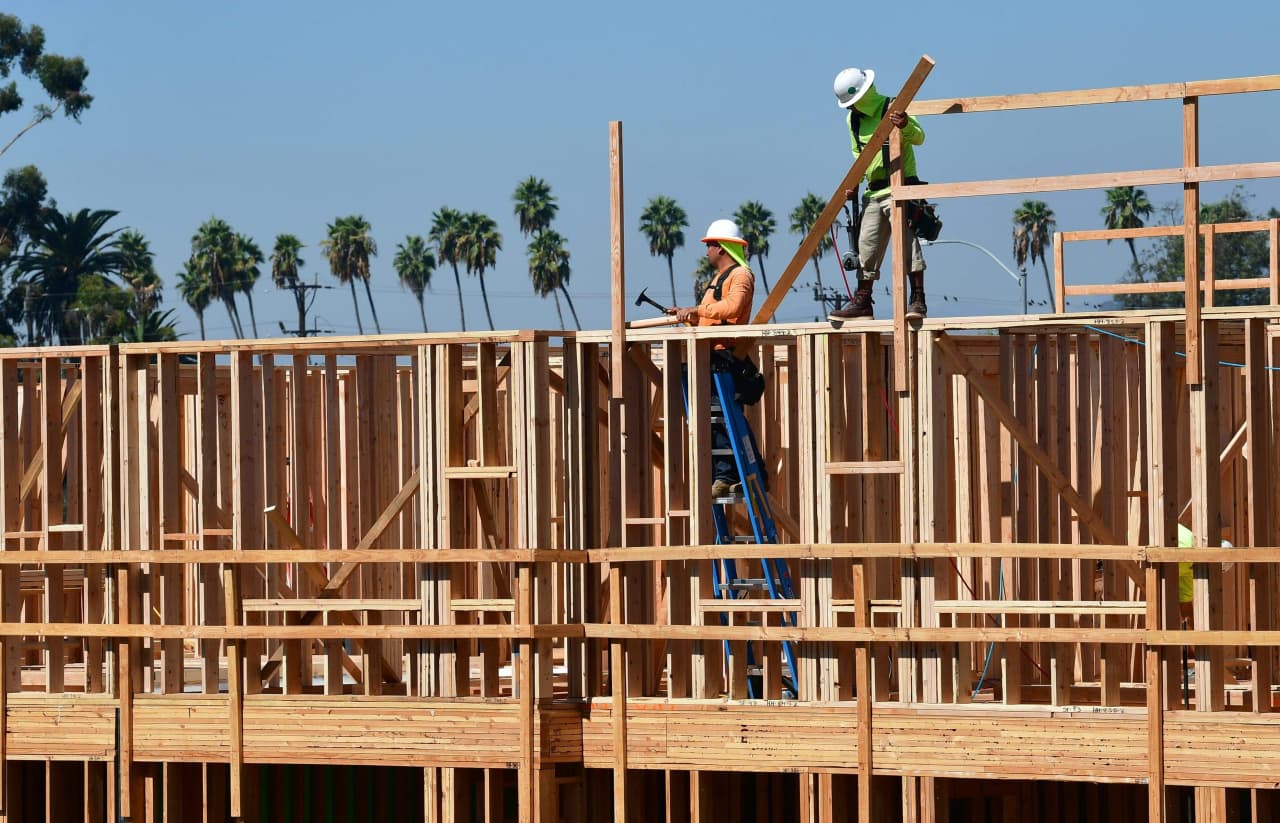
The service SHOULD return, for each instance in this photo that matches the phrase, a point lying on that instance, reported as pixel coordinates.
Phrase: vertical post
(51, 440)
(1274, 269)
(1191, 234)
(1162, 436)
(235, 691)
(1059, 278)
(866, 699)
(617, 356)
(1155, 705)
(1258, 484)
(10, 593)
(1206, 521)
(901, 259)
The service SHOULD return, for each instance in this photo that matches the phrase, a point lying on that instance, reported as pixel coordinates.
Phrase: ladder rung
(752, 584)
(721, 452)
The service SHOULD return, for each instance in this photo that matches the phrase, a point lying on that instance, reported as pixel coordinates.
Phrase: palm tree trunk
(372, 308)
(236, 311)
(559, 313)
(572, 310)
(763, 278)
(1132, 250)
(485, 295)
(200, 319)
(253, 318)
(235, 327)
(355, 301)
(462, 313)
(818, 271)
(422, 310)
(1048, 284)
(671, 276)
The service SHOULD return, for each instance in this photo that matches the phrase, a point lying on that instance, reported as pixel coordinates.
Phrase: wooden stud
(1191, 235)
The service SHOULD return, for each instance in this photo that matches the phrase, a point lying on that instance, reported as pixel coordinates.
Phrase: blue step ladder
(728, 584)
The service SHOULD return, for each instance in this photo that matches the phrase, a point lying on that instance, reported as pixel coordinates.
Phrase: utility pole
(300, 295)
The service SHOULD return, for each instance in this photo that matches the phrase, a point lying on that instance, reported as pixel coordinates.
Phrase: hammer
(644, 298)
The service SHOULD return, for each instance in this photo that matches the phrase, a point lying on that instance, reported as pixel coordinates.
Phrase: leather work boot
(859, 306)
(725, 488)
(916, 308)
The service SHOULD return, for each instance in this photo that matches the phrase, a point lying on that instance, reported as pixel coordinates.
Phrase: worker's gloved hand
(685, 315)
(898, 118)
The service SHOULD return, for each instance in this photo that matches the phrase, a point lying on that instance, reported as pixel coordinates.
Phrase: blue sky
(280, 116)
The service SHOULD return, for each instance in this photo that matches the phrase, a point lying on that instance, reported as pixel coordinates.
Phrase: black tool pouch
(748, 382)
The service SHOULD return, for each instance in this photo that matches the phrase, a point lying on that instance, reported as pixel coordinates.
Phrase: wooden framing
(454, 577)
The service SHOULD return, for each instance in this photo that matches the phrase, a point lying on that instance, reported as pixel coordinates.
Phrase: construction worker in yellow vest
(856, 91)
(1186, 572)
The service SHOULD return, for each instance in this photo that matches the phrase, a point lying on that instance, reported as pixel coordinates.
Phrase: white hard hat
(851, 84)
(726, 230)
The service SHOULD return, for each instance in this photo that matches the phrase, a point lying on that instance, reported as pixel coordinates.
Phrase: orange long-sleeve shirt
(734, 306)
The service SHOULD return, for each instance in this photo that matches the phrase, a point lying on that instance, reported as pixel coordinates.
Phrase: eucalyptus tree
(478, 245)
(60, 78)
(663, 222)
(1127, 208)
(1033, 225)
(803, 216)
(446, 224)
(196, 290)
(23, 201)
(414, 264)
(62, 250)
(215, 254)
(756, 224)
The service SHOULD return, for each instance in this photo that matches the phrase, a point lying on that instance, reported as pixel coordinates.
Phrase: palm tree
(756, 224)
(348, 249)
(214, 254)
(139, 272)
(803, 217)
(445, 227)
(196, 290)
(703, 274)
(285, 263)
(248, 259)
(535, 206)
(663, 221)
(414, 264)
(62, 250)
(151, 327)
(1033, 226)
(549, 269)
(478, 245)
(360, 249)
(1126, 207)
